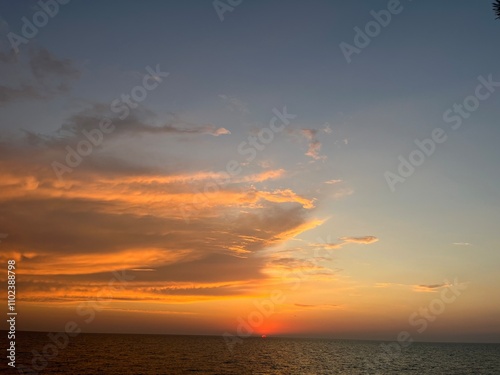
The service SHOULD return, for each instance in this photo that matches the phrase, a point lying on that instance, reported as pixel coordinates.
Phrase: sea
(119, 354)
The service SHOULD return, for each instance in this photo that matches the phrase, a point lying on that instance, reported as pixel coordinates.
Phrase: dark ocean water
(160, 354)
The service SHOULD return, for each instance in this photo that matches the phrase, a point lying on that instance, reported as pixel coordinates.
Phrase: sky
(320, 168)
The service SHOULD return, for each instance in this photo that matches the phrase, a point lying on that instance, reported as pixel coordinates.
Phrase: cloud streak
(360, 240)
(363, 240)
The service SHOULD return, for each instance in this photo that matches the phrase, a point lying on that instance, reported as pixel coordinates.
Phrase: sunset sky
(206, 221)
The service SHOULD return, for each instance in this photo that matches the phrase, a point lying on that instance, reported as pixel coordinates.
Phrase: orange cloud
(365, 240)
(283, 196)
(264, 176)
(69, 235)
(73, 264)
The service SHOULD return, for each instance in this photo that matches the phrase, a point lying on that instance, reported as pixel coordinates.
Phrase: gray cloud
(9, 94)
(234, 104)
(432, 286)
(138, 122)
(45, 65)
(43, 75)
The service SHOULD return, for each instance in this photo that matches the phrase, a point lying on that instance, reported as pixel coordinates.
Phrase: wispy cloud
(318, 306)
(44, 75)
(273, 174)
(44, 66)
(429, 288)
(364, 240)
(361, 240)
(333, 182)
(311, 137)
(314, 145)
(235, 104)
(328, 246)
(137, 123)
(419, 288)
